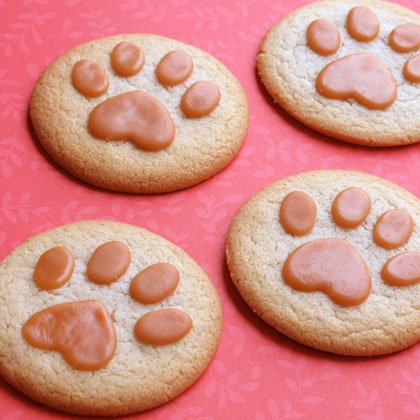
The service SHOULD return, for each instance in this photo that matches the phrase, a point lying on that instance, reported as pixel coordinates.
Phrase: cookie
(104, 318)
(139, 113)
(347, 69)
(331, 259)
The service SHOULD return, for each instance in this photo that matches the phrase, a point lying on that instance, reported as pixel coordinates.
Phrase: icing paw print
(332, 265)
(362, 76)
(137, 116)
(83, 331)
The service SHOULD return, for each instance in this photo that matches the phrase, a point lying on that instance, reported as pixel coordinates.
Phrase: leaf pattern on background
(256, 373)
(226, 388)
(20, 209)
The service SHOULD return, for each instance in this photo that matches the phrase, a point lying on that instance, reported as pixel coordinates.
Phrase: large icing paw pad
(331, 266)
(82, 332)
(361, 77)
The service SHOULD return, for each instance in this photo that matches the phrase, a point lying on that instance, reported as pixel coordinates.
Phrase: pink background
(256, 372)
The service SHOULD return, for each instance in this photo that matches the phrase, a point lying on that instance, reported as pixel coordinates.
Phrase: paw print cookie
(331, 259)
(104, 318)
(139, 113)
(348, 69)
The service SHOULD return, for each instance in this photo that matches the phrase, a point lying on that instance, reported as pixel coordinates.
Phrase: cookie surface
(138, 376)
(385, 317)
(202, 146)
(289, 69)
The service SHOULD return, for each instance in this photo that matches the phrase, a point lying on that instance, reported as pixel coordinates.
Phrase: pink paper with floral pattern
(256, 373)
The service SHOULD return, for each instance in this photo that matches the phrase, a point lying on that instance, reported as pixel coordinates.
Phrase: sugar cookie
(139, 113)
(347, 69)
(91, 345)
(348, 283)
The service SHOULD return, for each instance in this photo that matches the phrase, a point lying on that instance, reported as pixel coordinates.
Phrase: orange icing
(411, 70)
(174, 68)
(108, 263)
(82, 332)
(350, 208)
(163, 326)
(323, 37)
(89, 78)
(54, 268)
(136, 117)
(298, 213)
(361, 77)
(200, 99)
(127, 59)
(362, 24)
(331, 266)
(393, 229)
(154, 283)
(402, 269)
(405, 38)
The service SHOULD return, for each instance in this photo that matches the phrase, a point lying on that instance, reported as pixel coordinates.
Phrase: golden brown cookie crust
(139, 376)
(257, 247)
(201, 148)
(288, 69)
